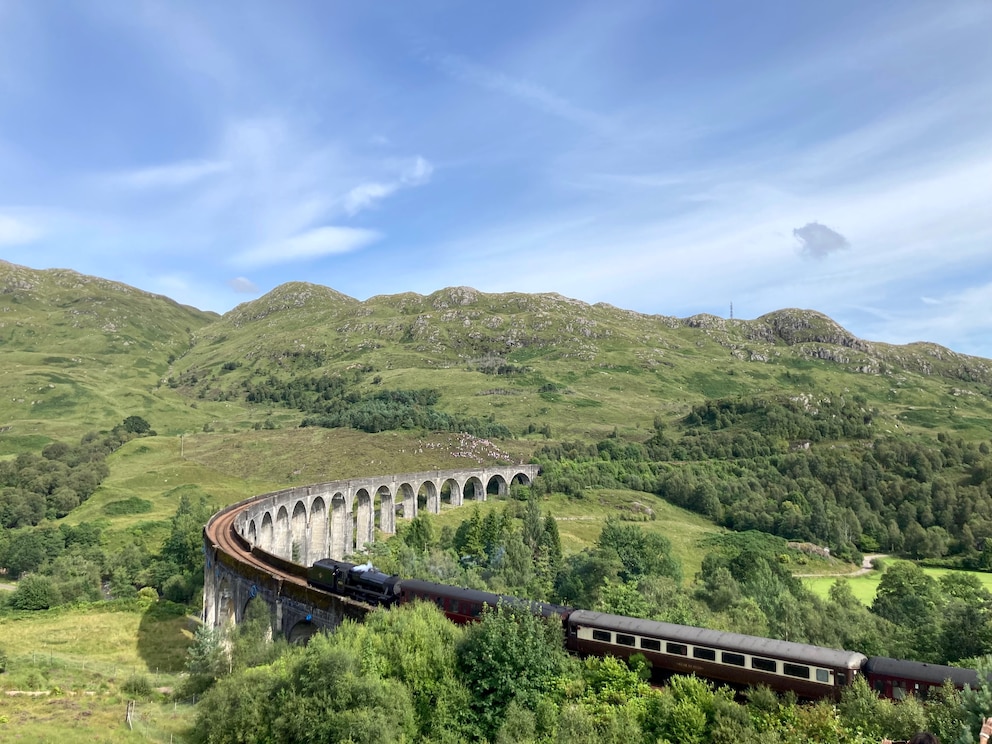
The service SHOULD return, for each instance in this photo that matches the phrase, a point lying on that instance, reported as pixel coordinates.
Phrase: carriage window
(796, 670)
(625, 640)
(602, 635)
(764, 665)
(476, 610)
(677, 648)
(841, 678)
(879, 685)
(728, 658)
(707, 654)
(651, 644)
(822, 675)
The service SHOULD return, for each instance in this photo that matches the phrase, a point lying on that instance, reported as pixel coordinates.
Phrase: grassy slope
(82, 656)
(866, 586)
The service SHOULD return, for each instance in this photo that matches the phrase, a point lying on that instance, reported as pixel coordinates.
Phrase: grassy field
(69, 672)
(581, 520)
(866, 586)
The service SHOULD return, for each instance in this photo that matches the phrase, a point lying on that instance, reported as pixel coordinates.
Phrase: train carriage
(811, 672)
(462, 605)
(898, 678)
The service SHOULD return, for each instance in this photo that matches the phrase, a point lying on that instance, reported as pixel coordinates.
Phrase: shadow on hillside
(164, 634)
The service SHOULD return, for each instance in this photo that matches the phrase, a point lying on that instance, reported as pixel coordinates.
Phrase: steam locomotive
(811, 672)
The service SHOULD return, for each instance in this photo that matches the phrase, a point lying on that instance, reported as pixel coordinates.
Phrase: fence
(155, 719)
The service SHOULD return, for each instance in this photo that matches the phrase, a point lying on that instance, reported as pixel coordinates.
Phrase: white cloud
(243, 285)
(367, 194)
(172, 175)
(16, 232)
(321, 241)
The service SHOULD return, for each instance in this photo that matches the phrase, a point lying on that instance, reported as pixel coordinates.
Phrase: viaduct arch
(259, 549)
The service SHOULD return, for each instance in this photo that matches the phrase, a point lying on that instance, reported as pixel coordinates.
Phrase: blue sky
(666, 157)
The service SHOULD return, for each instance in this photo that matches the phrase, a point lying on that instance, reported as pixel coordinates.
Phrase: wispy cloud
(525, 91)
(367, 194)
(172, 175)
(321, 241)
(243, 285)
(15, 231)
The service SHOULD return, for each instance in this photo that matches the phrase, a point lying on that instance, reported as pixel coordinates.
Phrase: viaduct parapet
(258, 549)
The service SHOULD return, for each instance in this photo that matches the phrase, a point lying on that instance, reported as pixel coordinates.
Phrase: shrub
(132, 505)
(137, 685)
(35, 592)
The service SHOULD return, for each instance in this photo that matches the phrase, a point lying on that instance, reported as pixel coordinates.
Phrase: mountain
(79, 352)
(82, 352)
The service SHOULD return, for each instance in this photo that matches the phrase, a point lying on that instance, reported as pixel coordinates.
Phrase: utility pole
(731, 310)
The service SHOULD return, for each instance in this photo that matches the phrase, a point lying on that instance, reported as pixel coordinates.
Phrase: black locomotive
(811, 672)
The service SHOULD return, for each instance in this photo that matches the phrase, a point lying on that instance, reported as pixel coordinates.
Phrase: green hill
(720, 408)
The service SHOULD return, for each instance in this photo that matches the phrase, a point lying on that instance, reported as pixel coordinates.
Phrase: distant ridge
(502, 355)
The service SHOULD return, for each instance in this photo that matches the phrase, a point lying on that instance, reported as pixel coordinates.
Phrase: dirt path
(7, 587)
(865, 568)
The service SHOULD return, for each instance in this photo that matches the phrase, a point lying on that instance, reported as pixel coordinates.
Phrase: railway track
(220, 532)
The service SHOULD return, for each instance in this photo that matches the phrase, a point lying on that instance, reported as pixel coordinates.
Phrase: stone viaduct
(276, 535)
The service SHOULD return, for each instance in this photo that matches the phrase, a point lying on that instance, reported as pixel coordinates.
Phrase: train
(810, 672)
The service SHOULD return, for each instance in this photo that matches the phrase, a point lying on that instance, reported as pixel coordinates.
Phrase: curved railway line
(237, 571)
(220, 532)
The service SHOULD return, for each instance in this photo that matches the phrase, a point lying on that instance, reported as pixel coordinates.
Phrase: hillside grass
(865, 587)
(581, 520)
(79, 659)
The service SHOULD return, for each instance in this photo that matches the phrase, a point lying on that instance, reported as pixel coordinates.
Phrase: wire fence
(148, 708)
(42, 671)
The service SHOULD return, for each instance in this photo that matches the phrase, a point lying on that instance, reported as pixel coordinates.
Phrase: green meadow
(865, 586)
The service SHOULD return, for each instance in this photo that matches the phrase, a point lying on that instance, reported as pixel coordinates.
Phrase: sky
(666, 157)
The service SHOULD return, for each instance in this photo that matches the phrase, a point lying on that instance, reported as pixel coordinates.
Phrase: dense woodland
(816, 470)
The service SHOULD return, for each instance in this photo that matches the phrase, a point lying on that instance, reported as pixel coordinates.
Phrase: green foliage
(137, 685)
(332, 401)
(511, 655)
(640, 553)
(318, 693)
(131, 505)
(417, 646)
(136, 425)
(34, 592)
(34, 487)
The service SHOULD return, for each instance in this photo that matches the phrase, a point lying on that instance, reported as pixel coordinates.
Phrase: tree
(908, 597)
(419, 535)
(136, 425)
(640, 553)
(416, 645)
(35, 592)
(510, 655)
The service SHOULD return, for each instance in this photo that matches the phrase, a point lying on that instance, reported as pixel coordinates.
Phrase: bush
(3, 661)
(137, 685)
(177, 588)
(132, 505)
(35, 592)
